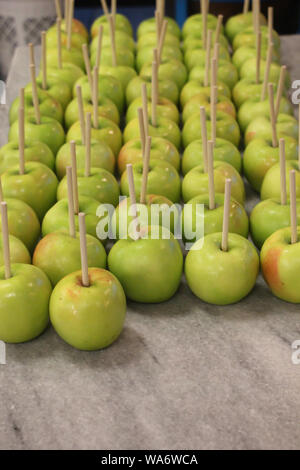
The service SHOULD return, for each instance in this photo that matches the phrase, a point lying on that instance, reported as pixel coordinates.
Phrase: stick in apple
(145, 109)
(105, 8)
(112, 40)
(146, 159)
(58, 9)
(141, 126)
(72, 229)
(95, 98)
(158, 27)
(44, 61)
(5, 238)
(213, 112)
(204, 9)
(207, 57)
(83, 250)
(246, 6)
(132, 195)
(1, 191)
(204, 136)
(283, 195)
(218, 28)
(87, 64)
(74, 175)
(293, 206)
(66, 13)
(154, 93)
(114, 11)
(225, 229)
(81, 112)
(21, 141)
(35, 95)
(59, 56)
(272, 115)
(22, 98)
(162, 39)
(87, 170)
(267, 71)
(99, 47)
(31, 54)
(270, 23)
(70, 24)
(280, 89)
(210, 168)
(258, 56)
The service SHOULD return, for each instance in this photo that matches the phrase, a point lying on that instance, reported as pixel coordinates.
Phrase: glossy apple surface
(227, 73)
(165, 129)
(247, 89)
(244, 53)
(122, 24)
(106, 109)
(18, 251)
(145, 55)
(255, 107)
(121, 38)
(247, 37)
(150, 39)
(238, 23)
(68, 73)
(166, 89)
(194, 24)
(122, 73)
(224, 104)
(149, 26)
(60, 91)
(108, 86)
(169, 69)
(164, 109)
(195, 40)
(260, 127)
(248, 70)
(73, 56)
(196, 57)
(194, 87)
(35, 152)
(125, 56)
(48, 106)
(77, 28)
(271, 189)
(77, 40)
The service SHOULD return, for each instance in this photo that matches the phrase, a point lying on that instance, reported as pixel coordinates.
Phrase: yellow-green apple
(166, 89)
(145, 55)
(227, 73)
(77, 40)
(194, 24)
(196, 57)
(247, 37)
(150, 39)
(164, 108)
(48, 106)
(261, 127)
(222, 277)
(238, 23)
(245, 90)
(194, 87)
(248, 70)
(164, 128)
(271, 186)
(203, 99)
(61, 91)
(17, 250)
(35, 152)
(121, 38)
(124, 55)
(68, 73)
(73, 56)
(149, 26)
(195, 41)
(108, 86)
(122, 24)
(77, 28)
(172, 69)
(106, 108)
(254, 107)
(244, 53)
(122, 73)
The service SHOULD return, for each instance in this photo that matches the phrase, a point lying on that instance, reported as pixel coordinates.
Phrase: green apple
(164, 128)
(161, 149)
(107, 132)
(100, 185)
(24, 303)
(163, 180)
(149, 26)
(58, 254)
(238, 23)
(23, 222)
(227, 73)
(149, 269)
(253, 108)
(194, 87)
(247, 37)
(77, 28)
(48, 106)
(172, 69)
(260, 156)
(168, 53)
(226, 127)
(37, 187)
(224, 151)
(73, 56)
(166, 89)
(68, 73)
(243, 53)
(260, 127)
(248, 70)
(271, 186)
(150, 39)
(193, 106)
(106, 108)
(194, 24)
(49, 131)
(280, 265)
(269, 216)
(88, 318)
(164, 109)
(35, 152)
(124, 56)
(101, 157)
(122, 24)
(108, 86)
(17, 250)
(213, 218)
(195, 182)
(222, 277)
(77, 40)
(61, 91)
(195, 41)
(246, 90)
(197, 57)
(121, 38)
(122, 73)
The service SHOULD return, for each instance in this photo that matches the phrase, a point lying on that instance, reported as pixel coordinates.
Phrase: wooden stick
(99, 46)
(105, 8)
(146, 159)
(66, 13)
(5, 240)
(267, 71)
(83, 250)
(81, 112)
(87, 64)
(258, 56)
(207, 57)
(246, 6)
(213, 112)
(87, 170)
(21, 141)
(74, 175)
(218, 28)
(35, 95)
(114, 11)
(158, 27)
(204, 136)
(72, 230)
(210, 167)
(132, 194)
(204, 23)
(22, 98)
(270, 23)
(162, 39)
(59, 55)
(31, 54)
(1, 191)
(95, 98)
(44, 61)
(224, 244)
(216, 53)
(280, 89)
(58, 9)
(113, 41)
(283, 194)
(272, 115)
(154, 93)
(70, 24)
(145, 109)
(293, 206)
(141, 126)
(214, 72)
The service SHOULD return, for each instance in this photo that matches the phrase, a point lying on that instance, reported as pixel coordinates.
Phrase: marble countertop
(183, 374)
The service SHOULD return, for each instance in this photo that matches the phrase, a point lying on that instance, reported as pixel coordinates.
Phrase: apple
(61, 91)
(213, 218)
(203, 99)
(88, 318)
(77, 28)
(77, 40)
(73, 56)
(124, 56)
(165, 128)
(280, 265)
(101, 157)
(222, 277)
(172, 69)
(58, 254)
(246, 90)
(121, 38)
(193, 24)
(253, 108)
(247, 37)
(35, 152)
(149, 26)
(243, 53)
(18, 251)
(197, 57)
(271, 189)
(48, 106)
(166, 89)
(195, 182)
(269, 216)
(108, 86)
(23, 222)
(107, 132)
(238, 23)
(49, 131)
(37, 187)
(168, 53)
(161, 149)
(149, 269)
(122, 24)
(260, 156)
(195, 41)
(122, 73)
(227, 128)
(24, 303)
(68, 73)
(260, 127)
(194, 87)
(227, 73)
(224, 151)
(106, 108)
(150, 39)
(248, 70)
(163, 180)
(165, 109)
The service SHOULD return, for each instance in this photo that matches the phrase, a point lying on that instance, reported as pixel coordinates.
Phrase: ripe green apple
(166, 89)
(271, 188)
(224, 151)
(124, 56)
(145, 55)
(149, 269)
(163, 180)
(238, 23)
(77, 28)
(195, 182)
(88, 318)
(244, 53)
(57, 218)
(18, 251)
(77, 40)
(58, 254)
(49, 131)
(197, 57)
(203, 99)
(194, 87)
(269, 216)
(108, 86)
(121, 38)
(122, 73)
(149, 26)
(73, 56)
(23, 222)
(222, 277)
(247, 89)
(195, 41)
(164, 128)
(172, 69)
(61, 91)
(248, 70)
(106, 108)
(69, 73)
(37, 187)
(107, 132)
(253, 108)
(100, 185)
(122, 24)
(260, 127)
(226, 126)
(247, 37)
(260, 156)
(213, 218)
(101, 157)
(48, 106)
(280, 265)
(164, 109)
(161, 149)
(35, 152)
(24, 301)
(194, 24)
(227, 73)
(150, 39)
